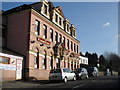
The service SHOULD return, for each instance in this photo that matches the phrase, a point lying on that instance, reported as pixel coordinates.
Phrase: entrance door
(19, 69)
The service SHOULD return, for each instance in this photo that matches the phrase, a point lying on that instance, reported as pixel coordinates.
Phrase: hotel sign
(43, 40)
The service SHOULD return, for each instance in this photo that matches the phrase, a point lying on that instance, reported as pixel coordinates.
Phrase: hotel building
(41, 33)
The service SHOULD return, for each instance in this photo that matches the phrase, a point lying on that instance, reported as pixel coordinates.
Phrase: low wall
(8, 75)
(38, 74)
(114, 73)
(101, 73)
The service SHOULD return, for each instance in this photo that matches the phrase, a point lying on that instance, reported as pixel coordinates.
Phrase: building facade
(10, 67)
(42, 34)
(83, 60)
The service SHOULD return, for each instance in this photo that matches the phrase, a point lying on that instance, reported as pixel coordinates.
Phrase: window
(74, 47)
(67, 27)
(60, 38)
(64, 41)
(36, 60)
(51, 35)
(60, 21)
(37, 27)
(68, 63)
(68, 43)
(4, 60)
(44, 61)
(45, 9)
(71, 45)
(73, 32)
(77, 48)
(45, 31)
(56, 37)
(56, 17)
(51, 62)
(74, 65)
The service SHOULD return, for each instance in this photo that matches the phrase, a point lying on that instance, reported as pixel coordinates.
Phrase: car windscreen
(90, 69)
(78, 70)
(55, 71)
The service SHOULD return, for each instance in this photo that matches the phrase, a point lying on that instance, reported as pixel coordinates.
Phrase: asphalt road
(92, 82)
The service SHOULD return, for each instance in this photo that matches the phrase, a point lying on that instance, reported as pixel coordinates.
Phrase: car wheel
(81, 78)
(65, 80)
(74, 78)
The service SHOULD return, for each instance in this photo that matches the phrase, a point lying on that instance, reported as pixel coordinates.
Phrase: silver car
(63, 74)
(81, 73)
(93, 71)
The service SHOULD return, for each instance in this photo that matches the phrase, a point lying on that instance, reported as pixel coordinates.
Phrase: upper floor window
(56, 17)
(37, 27)
(56, 37)
(60, 38)
(67, 27)
(60, 21)
(68, 43)
(45, 9)
(73, 32)
(45, 31)
(71, 45)
(74, 47)
(77, 49)
(64, 41)
(51, 35)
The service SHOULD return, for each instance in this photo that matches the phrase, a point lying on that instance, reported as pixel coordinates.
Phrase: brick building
(41, 33)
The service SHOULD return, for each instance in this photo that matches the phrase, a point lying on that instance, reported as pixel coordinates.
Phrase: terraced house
(41, 33)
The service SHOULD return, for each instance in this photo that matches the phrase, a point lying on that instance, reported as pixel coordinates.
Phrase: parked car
(92, 71)
(81, 73)
(63, 74)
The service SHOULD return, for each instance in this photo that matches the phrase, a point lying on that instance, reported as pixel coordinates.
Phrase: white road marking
(78, 86)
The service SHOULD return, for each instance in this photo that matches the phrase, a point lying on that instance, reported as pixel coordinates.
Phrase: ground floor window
(36, 60)
(51, 62)
(68, 64)
(72, 65)
(44, 63)
(5, 60)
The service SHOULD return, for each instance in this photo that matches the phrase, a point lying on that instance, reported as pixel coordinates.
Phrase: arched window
(36, 59)
(72, 65)
(75, 65)
(44, 63)
(51, 62)
(68, 63)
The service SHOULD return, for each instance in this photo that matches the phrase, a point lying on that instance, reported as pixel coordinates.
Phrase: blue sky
(96, 23)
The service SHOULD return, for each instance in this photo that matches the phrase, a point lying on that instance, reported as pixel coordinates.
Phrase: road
(92, 82)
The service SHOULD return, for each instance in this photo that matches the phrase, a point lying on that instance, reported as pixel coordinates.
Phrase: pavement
(23, 84)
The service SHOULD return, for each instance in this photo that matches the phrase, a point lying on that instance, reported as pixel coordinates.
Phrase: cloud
(106, 24)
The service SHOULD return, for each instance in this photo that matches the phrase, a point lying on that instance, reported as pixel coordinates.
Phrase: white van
(63, 74)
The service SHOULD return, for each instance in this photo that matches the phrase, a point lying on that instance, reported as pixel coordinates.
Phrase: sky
(96, 23)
